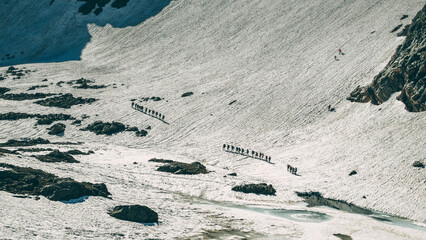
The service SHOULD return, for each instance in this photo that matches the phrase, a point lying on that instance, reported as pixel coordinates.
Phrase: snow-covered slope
(276, 58)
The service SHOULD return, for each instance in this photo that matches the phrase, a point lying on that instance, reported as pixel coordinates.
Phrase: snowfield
(276, 59)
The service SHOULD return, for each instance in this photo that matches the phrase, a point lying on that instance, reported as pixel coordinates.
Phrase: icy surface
(276, 58)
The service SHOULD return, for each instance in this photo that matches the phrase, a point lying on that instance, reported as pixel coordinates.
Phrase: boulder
(19, 180)
(134, 213)
(64, 101)
(24, 142)
(353, 172)
(105, 128)
(183, 168)
(159, 160)
(56, 129)
(418, 164)
(260, 188)
(187, 94)
(57, 156)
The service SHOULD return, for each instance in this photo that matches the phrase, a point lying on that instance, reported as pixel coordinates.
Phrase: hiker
(295, 171)
(227, 147)
(163, 118)
(149, 111)
(269, 158)
(133, 104)
(252, 153)
(257, 154)
(335, 58)
(232, 148)
(156, 113)
(224, 146)
(242, 150)
(340, 51)
(247, 152)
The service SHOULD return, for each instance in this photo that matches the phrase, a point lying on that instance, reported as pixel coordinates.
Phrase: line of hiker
(246, 152)
(148, 111)
(292, 169)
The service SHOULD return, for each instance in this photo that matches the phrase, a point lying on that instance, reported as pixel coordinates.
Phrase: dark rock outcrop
(187, 94)
(404, 17)
(342, 236)
(396, 28)
(182, 168)
(134, 213)
(64, 101)
(159, 160)
(316, 199)
(24, 142)
(259, 188)
(25, 96)
(57, 156)
(34, 149)
(4, 90)
(405, 72)
(83, 83)
(404, 31)
(141, 133)
(78, 152)
(56, 129)
(353, 172)
(105, 128)
(43, 119)
(418, 164)
(37, 86)
(19, 180)
(155, 99)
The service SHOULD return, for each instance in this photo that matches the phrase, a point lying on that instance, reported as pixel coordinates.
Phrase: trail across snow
(276, 59)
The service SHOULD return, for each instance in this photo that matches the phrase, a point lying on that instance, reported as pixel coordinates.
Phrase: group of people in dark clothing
(292, 169)
(148, 111)
(246, 152)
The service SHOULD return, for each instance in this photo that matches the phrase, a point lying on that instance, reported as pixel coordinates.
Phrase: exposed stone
(232, 174)
(141, 133)
(25, 96)
(259, 188)
(342, 236)
(159, 160)
(134, 213)
(42, 119)
(37, 86)
(405, 72)
(187, 94)
(57, 129)
(232, 102)
(404, 17)
(316, 199)
(396, 28)
(418, 164)
(57, 156)
(352, 173)
(4, 90)
(24, 142)
(78, 152)
(34, 149)
(105, 128)
(19, 180)
(404, 31)
(64, 101)
(183, 168)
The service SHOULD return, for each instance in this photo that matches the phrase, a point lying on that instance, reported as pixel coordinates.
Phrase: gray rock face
(19, 180)
(260, 188)
(418, 164)
(57, 129)
(135, 213)
(57, 156)
(405, 72)
(183, 168)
